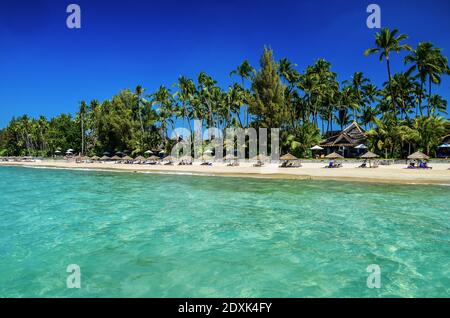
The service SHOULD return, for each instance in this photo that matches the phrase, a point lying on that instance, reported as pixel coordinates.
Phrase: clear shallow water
(188, 236)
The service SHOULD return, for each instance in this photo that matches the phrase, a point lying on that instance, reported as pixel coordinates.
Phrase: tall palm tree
(185, 94)
(245, 71)
(422, 64)
(388, 41)
(357, 83)
(138, 93)
(82, 113)
(429, 64)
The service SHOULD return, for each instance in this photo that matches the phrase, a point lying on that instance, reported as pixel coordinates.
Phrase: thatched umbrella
(206, 157)
(418, 156)
(127, 158)
(139, 158)
(334, 155)
(369, 155)
(169, 159)
(288, 157)
(116, 158)
(153, 158)
(230, 157)
(261, 157)
(105, 158)
(186, 158)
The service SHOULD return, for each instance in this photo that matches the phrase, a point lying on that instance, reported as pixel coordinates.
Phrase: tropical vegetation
(403, 115)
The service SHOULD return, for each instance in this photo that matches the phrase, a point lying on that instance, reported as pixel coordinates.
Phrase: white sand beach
(395, 173)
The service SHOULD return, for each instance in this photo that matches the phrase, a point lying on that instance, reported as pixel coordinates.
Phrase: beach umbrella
(288, 157)
(206, 157)
(95, 158)
(186, 158)
(148, 152)
(57, 151)
(260, 157)
(106, 153)
(361, 146)
(334, 156)
(140, 158)
(444, 146)
(69, 150)
(127, 158)
(230, 157)
(369, 155)
(418, 156)
(169, 158)
(316, 148)
(153, 158)
(105, 158)
(162, 152)
(116, 158)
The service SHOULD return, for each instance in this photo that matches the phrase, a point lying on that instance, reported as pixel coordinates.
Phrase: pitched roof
(446, 139)
(351, 136)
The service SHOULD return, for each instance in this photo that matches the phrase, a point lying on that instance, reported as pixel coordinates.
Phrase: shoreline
(393, 174)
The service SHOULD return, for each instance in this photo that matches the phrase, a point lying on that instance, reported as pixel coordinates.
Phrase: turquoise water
(149, 235)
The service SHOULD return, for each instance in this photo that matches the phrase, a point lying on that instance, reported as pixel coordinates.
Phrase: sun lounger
(258, 164)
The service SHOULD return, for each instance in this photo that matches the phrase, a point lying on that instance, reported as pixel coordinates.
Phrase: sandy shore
(440, 174)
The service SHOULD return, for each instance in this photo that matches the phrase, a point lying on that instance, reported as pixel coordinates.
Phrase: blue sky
(47, 68)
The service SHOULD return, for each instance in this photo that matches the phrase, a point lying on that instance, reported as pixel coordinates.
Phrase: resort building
(444, 149)
(348, 142)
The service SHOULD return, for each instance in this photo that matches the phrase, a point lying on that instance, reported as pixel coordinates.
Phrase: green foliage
(402, 115)
(268, 103)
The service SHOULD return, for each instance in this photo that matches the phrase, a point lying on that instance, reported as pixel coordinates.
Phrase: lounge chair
(330, 165)
(206, 164)
(424, 165)
(258, 164)
(363, 165)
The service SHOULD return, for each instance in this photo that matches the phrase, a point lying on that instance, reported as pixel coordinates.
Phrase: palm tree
(165, 111)
(430, 131)
(185, 94)
(82, 112)
(388, 41)
(404, 88)
(138, 93)
(245, 71)
(430, 64)
(357, 83)
(437, 104)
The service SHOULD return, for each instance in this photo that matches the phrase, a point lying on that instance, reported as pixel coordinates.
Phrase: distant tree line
(403, 115)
